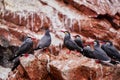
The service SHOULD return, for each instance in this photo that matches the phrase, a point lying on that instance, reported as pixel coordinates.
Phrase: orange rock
(36, 70)
(80, 68)
(92, 19)
(19, 74)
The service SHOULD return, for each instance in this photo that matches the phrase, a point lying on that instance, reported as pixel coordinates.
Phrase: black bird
(26, 47)
(88, 52)
(16, 62)
(99, 53)
(45, 41)
(111, 51)
(78, 41)
(71, 44)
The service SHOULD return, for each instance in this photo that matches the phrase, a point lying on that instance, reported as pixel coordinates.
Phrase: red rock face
(76, 16)
(63, 67)
(92, 19)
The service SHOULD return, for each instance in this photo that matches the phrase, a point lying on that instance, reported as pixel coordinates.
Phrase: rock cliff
(92, 19)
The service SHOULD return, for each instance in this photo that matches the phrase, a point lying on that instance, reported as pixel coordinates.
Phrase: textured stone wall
(92, 19)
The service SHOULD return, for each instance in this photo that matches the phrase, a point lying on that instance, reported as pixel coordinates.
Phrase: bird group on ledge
(105, 53)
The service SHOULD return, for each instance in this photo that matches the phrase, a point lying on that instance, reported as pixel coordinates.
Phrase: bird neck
(111, 44)
(78, 39)
(47, 33)
(67, 37)
(97, 45)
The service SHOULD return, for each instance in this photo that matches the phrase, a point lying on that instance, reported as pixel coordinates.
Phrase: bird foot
(26, 55)
(77, 52)
(68, 52)
(45, 50)
(97, 61)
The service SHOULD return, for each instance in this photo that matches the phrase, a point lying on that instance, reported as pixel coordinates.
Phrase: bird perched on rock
(78, 41)
(45, 41)
(71, 44)
(26, 47)
(99, 53)
(88, 52)
(111, 51)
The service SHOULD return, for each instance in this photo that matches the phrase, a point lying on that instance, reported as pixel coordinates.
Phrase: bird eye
(65, 32)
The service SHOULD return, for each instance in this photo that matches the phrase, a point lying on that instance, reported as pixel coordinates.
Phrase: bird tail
(118, 58)
(107, 63)
(114, 62)
(11, 59)
(16, 63)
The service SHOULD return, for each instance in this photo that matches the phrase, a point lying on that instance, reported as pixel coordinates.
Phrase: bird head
(28, 37)
(88, 46)
(47, 32)
(109, 42)
(66, 32)
(96, 43)
(77, 36)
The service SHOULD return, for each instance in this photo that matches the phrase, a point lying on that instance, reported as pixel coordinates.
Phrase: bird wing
(71, 45)
(79, 42)
(114, 52)
(24, 48)
(103, 46)
(20, 51)
(107, 50)
(100, 54)
(113, 49)
(44, 42)
(88, 52)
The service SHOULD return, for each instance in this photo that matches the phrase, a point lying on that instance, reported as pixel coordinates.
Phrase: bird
(88, 52)
(25, 47)
(78, 41)
(45, 41)
(100, 54)
(71, 44)
(16, 63)
(111, 51)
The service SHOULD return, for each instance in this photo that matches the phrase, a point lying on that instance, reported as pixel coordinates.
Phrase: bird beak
(62, 31)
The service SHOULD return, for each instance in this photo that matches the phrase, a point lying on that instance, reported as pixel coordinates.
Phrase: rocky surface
(63, 67)
(92, 19)
(4, 73)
